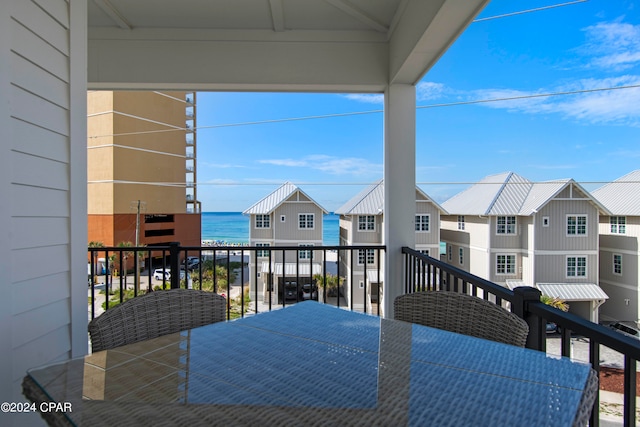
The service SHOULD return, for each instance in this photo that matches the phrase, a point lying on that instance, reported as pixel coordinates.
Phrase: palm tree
(554, 302)
(125, 256)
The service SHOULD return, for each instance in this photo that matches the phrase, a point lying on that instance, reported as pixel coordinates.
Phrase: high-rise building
(142, 168)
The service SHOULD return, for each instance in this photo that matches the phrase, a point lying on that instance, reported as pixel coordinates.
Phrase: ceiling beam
(277, 15)
(114, 14)
(359, 14)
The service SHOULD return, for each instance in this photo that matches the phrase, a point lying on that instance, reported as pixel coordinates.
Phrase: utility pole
(137, 205)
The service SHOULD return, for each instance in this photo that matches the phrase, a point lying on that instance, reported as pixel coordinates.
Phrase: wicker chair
(155, 314)
(461, 313)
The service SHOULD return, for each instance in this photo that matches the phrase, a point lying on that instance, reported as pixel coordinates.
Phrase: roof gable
(622, 196)
(286, 192)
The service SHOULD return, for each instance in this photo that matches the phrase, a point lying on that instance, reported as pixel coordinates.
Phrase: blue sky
(590, 137)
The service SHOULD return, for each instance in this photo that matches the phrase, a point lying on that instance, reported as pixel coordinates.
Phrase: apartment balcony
(258, 279)
(189, 140)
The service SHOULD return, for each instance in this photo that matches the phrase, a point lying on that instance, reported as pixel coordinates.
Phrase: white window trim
(283, 218)
(255, 224)
(566, 266)
(450, 252)
(307, 214)
(428, 223)
(515, 225)
(361, 284)
(613, 264)
(617, 224)
(366, 230)
(461, 256)
(515, 264)
(545, 221)
(260, 251)
(366, 252)
(586, 225)
(460, 222)
(305, 251)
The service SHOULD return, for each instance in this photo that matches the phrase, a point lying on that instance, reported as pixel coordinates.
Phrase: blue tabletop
(311, 361)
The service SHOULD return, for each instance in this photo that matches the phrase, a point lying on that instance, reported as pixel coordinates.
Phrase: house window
(618, 224)
(262, 253)
(576, 225)
(367, 255)
(305, 221)
(576, 266)
(263, 221)
(450, 253)
(283, 218)
(422, 222)
(545, 221)
(304, 254)
(424, 252)
(366, 223)
(506, 264)
(361, 284)
(460, 222)
(617, 264)
(506, 225)
(461, 256)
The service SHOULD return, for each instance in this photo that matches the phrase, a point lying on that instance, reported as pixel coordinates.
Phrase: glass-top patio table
(313, 364)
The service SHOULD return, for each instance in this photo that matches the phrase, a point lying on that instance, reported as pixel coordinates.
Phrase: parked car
(552, 328)
(158, 274)
(625, 329)
(192, 262)
(309, 291)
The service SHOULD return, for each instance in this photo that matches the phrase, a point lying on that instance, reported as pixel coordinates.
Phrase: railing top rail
(602, 334)
(280, 248)
(493, 288)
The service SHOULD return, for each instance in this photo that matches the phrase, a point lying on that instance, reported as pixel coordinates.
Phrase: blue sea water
(233, 227)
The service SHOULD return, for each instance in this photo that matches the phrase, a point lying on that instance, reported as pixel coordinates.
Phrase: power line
(359, 113)
(537, 9)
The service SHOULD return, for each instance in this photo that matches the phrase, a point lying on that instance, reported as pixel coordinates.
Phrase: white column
(78, 175)
(399, 185)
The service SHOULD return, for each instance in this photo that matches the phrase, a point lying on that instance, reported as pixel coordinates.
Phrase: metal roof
(291, 268)
(573, 291)
(275, 199)
(370, 201)
(622, 196)
(510, 194)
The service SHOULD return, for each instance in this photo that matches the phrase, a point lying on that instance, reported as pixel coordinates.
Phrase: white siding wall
(43, 166)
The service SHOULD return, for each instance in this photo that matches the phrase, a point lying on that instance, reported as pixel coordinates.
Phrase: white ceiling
(320, 45)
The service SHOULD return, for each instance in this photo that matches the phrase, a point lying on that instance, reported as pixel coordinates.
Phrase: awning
(292, 269)
(373, 276)
(573, 291)
(514, 283)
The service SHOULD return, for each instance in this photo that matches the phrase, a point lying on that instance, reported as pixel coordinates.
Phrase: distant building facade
(285, 217)
(142, 168)
(514, 232)
(362, 224)
(620, 247)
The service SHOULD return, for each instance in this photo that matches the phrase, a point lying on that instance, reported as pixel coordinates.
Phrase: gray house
(514, 232)
(286, 217)
(619, 247)
(362, 223)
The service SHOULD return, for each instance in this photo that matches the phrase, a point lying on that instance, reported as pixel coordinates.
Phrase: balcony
(258, 279)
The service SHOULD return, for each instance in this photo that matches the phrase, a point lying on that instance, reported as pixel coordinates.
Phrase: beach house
(620, 247)
(515, 232)
(362, 224)
(287, 217)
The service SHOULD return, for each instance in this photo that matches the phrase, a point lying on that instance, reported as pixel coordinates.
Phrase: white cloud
(367, 98)
(329, 164)
(613, 45)
(621, 106)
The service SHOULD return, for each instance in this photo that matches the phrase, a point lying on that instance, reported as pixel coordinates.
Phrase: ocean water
(233, 227)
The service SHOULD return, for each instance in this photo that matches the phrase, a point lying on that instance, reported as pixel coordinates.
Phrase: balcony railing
(267, 278)
(424, 273)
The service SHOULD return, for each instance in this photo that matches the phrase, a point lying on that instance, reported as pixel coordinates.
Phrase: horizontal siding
(57, 9)
(35, 201)
(37, 51)
(32, 263)
(37, 111)
(39, 141)
(34, 293)
(52, 347)
(31, 16)
(39, 82)
(39, 232)
(39, 172)
(56, 313)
